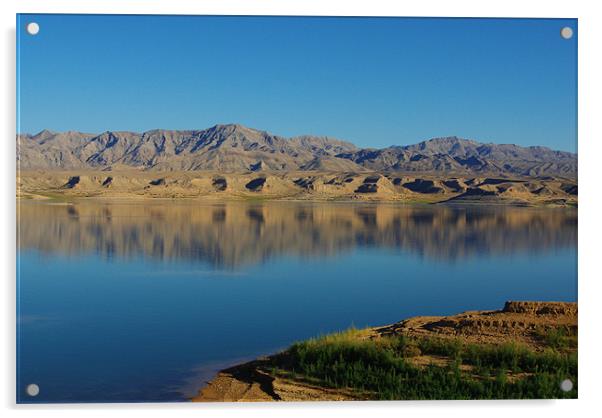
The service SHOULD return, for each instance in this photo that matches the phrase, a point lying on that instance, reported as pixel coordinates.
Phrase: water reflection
(236, 234)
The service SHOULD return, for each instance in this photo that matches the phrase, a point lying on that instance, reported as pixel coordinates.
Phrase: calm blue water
(132, 302)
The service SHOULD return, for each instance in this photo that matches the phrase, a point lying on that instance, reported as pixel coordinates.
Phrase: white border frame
(589, 149)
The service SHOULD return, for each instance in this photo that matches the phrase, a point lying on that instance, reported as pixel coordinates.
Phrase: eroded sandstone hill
(298, 185)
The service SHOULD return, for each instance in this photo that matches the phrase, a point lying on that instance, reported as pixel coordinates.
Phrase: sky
(373, 81)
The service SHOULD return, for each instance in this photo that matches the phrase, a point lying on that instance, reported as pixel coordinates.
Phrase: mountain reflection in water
(235, 234)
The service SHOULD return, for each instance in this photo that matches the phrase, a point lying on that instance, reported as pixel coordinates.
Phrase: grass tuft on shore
(384, 367)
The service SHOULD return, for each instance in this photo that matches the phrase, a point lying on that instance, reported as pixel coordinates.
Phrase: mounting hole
(32, 389)
(566, 32)
(566, 385)
(32, 28)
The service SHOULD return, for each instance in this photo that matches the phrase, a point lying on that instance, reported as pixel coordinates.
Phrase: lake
(145, 301)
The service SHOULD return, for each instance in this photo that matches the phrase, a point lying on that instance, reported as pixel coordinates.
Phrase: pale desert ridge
(308, 185)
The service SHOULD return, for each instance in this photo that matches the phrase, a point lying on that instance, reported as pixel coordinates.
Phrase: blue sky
(373, 81)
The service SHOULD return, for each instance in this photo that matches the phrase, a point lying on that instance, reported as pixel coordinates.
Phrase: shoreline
(531, 326)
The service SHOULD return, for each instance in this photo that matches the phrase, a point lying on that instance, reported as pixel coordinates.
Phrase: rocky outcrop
(220, 184)
(522, 322)
(256, 185)
(541, 308)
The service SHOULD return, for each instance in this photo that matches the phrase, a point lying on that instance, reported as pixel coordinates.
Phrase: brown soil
(251, 382)
(520, 322)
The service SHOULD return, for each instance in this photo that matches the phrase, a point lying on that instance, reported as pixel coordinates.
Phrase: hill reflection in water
(231, 235)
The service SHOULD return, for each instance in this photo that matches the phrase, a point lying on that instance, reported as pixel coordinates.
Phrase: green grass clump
(513, 357)
(559, 338)
(381, 368)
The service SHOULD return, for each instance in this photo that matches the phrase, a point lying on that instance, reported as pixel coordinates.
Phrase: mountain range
(234, 148)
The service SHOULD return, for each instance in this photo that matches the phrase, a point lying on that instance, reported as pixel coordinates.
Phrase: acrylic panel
(263, 208)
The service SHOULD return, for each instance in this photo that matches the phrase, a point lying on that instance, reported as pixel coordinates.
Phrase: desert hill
(326, 179)
(458, 155)
(222, 147)
(235, 148)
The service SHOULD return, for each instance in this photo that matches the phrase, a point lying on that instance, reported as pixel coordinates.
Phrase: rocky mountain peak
(234, 147)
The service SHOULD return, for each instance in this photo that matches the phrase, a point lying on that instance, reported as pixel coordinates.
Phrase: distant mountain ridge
(235, 147)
